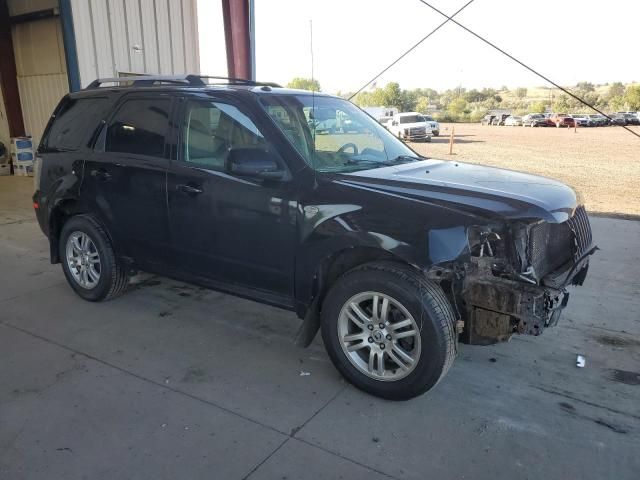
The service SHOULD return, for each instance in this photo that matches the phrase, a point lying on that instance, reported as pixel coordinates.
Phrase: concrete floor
(173, 381)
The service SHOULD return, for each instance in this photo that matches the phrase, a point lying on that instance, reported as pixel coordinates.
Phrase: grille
(579, 225)
(553, 244)
(417, 131)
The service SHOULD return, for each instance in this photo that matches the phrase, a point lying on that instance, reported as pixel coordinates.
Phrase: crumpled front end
(517, 279)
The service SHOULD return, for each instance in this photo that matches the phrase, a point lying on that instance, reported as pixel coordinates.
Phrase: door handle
(101, 174)
(189, 189)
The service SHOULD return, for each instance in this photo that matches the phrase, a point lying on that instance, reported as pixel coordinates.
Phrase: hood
(412, 125)
(480, 190)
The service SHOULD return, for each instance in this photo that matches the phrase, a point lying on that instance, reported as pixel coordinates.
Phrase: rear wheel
(388, 330)
(88, 260)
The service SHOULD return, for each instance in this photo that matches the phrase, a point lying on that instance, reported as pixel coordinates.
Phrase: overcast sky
(353, 40)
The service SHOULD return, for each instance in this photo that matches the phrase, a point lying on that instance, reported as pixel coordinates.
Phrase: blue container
(20, 144)
(24, 156)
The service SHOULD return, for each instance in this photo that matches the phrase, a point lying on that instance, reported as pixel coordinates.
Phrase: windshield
(333, 135)
(412, 119)
(427, 118)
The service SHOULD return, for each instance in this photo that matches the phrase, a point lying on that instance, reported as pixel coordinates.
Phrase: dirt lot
(603, 164)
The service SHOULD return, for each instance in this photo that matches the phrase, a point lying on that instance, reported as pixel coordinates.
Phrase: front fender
(329, 230)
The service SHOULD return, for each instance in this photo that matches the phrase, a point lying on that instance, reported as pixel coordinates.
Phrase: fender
(336, 238)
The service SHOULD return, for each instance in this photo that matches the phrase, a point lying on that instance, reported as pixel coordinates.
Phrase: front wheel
(88, 260)
(388, 330)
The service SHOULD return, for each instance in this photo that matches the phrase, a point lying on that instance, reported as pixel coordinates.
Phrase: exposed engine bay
(517, 276)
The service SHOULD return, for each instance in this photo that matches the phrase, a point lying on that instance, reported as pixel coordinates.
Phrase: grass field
(603, 164)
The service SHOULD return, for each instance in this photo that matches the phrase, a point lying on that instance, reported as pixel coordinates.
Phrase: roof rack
(185, 80)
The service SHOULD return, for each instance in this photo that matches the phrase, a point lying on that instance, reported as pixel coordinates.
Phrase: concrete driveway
(173, 381)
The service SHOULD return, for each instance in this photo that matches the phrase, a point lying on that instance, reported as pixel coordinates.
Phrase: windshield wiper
(403, 159)
(386, 163)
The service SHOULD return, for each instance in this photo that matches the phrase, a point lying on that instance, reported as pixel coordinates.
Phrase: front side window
(139, 127)
(211, 129)
(333, 135)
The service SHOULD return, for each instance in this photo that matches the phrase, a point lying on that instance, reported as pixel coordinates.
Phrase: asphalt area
(174, 381)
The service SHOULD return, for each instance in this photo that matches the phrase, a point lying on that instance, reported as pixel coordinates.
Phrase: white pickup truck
(411, 126)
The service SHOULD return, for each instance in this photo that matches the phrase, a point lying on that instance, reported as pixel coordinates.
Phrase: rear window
(75, 123)
(139, 127)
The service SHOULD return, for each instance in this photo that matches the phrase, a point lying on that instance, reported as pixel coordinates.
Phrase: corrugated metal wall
(42, 73)
(140, 36)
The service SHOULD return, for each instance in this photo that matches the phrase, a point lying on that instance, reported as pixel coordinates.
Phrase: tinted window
(211, 129)
(139, 127)
(75, 123)
(411, 119)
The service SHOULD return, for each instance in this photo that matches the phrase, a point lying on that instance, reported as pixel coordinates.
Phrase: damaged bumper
(500, 301)
(499, 307)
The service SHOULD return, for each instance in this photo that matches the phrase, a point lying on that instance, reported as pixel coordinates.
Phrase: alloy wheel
(379, 336)
(83, 260)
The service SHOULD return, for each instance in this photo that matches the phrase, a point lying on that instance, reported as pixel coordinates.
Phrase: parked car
(512, 121)
(410, 126)
(562, 120)
(393, 256)
(433, 125)
(535, 120)
(631, 118)
(618, 119)
(500, 119)
(487, 119)
(581, 120)
(597, 120)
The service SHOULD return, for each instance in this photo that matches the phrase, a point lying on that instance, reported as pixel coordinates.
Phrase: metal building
(51, 47)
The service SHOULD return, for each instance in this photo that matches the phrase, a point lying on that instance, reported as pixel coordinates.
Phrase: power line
(450, 18)
(412, 48)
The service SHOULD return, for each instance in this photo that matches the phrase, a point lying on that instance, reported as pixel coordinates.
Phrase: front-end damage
(514, 277)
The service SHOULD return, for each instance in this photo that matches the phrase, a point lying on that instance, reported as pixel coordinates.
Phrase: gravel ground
(603, 164)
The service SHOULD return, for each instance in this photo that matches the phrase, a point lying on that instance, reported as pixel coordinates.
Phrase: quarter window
(211, 129)
(139, 127)
(76, 120)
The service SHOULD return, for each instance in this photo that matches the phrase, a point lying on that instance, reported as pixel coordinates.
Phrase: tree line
(470, 105)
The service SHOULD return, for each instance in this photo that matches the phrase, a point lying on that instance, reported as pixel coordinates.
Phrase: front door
(228, 228)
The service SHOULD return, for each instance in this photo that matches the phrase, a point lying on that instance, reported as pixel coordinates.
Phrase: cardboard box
(23, 169)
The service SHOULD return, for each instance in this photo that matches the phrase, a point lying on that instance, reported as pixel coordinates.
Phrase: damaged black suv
(302, 201)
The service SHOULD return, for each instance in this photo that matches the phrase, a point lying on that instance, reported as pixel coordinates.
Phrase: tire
(432, 344)
(112, 275)
(436, 133)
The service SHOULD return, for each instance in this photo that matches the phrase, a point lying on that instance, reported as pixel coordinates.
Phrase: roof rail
(149, 80)
(185, 80)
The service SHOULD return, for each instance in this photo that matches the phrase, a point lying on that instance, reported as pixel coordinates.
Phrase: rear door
(125, 178)
(227, 228)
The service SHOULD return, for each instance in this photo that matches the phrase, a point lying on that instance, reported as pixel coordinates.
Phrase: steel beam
(238, 30)
(9, 75)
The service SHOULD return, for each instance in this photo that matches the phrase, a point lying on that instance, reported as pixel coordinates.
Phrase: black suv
(394, 256)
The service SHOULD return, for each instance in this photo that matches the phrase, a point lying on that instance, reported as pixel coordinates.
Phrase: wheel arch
(326, 273)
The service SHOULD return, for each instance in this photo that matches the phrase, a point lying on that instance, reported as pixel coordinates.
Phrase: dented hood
(481, 190)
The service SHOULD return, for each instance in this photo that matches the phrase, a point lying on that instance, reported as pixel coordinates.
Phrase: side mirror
(254, 162)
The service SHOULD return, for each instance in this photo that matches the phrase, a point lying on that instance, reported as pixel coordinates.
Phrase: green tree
(521, 92)
(422, 104)
(304, 84)
(537, 107)
(616, 89)
(585, 87)
(457, 107)
(632, 97)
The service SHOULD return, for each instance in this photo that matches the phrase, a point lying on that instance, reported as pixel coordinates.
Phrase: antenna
(312, 114)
